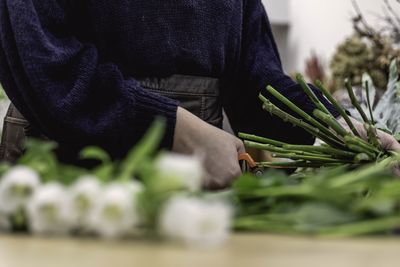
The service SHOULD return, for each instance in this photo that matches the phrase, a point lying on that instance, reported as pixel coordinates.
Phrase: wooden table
(241, 250)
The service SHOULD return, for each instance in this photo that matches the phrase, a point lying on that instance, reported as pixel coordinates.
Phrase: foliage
(369, 49)
(329, 202)
(386, 113)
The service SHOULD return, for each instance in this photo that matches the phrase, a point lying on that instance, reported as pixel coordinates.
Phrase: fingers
(396, 146)
(224, 168)
(388, 141)
(392, 144)
(240, 146)
(215, 183)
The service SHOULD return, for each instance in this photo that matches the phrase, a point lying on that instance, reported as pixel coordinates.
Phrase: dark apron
(199, 95)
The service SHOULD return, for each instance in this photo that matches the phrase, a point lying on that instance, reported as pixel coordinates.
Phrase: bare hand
(220, 149)
(387, 141)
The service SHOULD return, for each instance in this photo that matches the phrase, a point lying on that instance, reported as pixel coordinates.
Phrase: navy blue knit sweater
(70, 66)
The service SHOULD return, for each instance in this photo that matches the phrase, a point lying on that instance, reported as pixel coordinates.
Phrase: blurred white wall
(315, 25)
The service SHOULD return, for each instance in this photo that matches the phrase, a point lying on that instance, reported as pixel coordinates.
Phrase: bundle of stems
(341, 145)
(331, 202)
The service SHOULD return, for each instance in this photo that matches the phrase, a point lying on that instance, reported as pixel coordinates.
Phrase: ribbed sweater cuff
(149, 106)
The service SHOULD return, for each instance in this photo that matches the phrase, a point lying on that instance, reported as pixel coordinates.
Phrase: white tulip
(16, 188)
(81, 199)
(135, 187)
(46, 210)
(115, 213)
(196, 222)
(184, 170)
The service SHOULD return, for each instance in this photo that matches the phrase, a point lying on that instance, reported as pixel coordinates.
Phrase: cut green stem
(369, 102)
(353, 140)
(354, 100)
(310, 158)
(379, 225)
(275, 149)
(372, 135)
(270, 107)
(311, 94)
(259, 139)
(337, 106)
(295, 164)
(322, 149)
(301, 113)
(331, 121)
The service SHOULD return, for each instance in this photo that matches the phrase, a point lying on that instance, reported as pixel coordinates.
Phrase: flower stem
(300, 112)
(356, 141)
(310, 158)
(268, 106)
(275, 149)
(311, 94)
(325, 150)
(362, 228)
(369, 102)
(337, 106)
(362, 174)
(331, 121)
(259, 139)
(354, 101)
(295, 164)
(372, 135)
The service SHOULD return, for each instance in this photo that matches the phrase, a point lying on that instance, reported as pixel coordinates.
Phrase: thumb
(240, 146)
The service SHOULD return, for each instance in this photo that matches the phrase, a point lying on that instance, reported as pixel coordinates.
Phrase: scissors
(248, 164)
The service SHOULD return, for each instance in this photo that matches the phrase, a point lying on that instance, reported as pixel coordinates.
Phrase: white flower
(5, 224)
(16, 188)
(81, 200)
(185, 170)
(135, 187)
(115, 213)
(46, 210)
(196, 222)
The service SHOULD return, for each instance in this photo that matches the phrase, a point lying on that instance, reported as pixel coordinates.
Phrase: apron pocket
(14, 135)
(199, 95)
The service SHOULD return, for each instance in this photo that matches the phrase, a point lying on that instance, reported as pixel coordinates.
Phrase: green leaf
(397, 136)
(398, 90)
(387, 110)
(68, 174)
(246, 181)
(371, 226)
(393, 75)
(39, 156)
(95, 153)
(3, 95)
(313, 216)
(105, 172)
(143, 151)
(4, 167)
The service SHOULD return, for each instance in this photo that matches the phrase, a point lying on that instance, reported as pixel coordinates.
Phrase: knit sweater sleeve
(259, 65)
(60, 84)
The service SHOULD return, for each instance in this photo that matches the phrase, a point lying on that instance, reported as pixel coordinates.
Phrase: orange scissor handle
(246, 157)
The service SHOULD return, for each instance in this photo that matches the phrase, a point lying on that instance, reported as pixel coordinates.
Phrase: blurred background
(305, 26)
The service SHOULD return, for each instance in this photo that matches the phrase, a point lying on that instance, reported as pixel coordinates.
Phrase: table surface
(240, 250)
